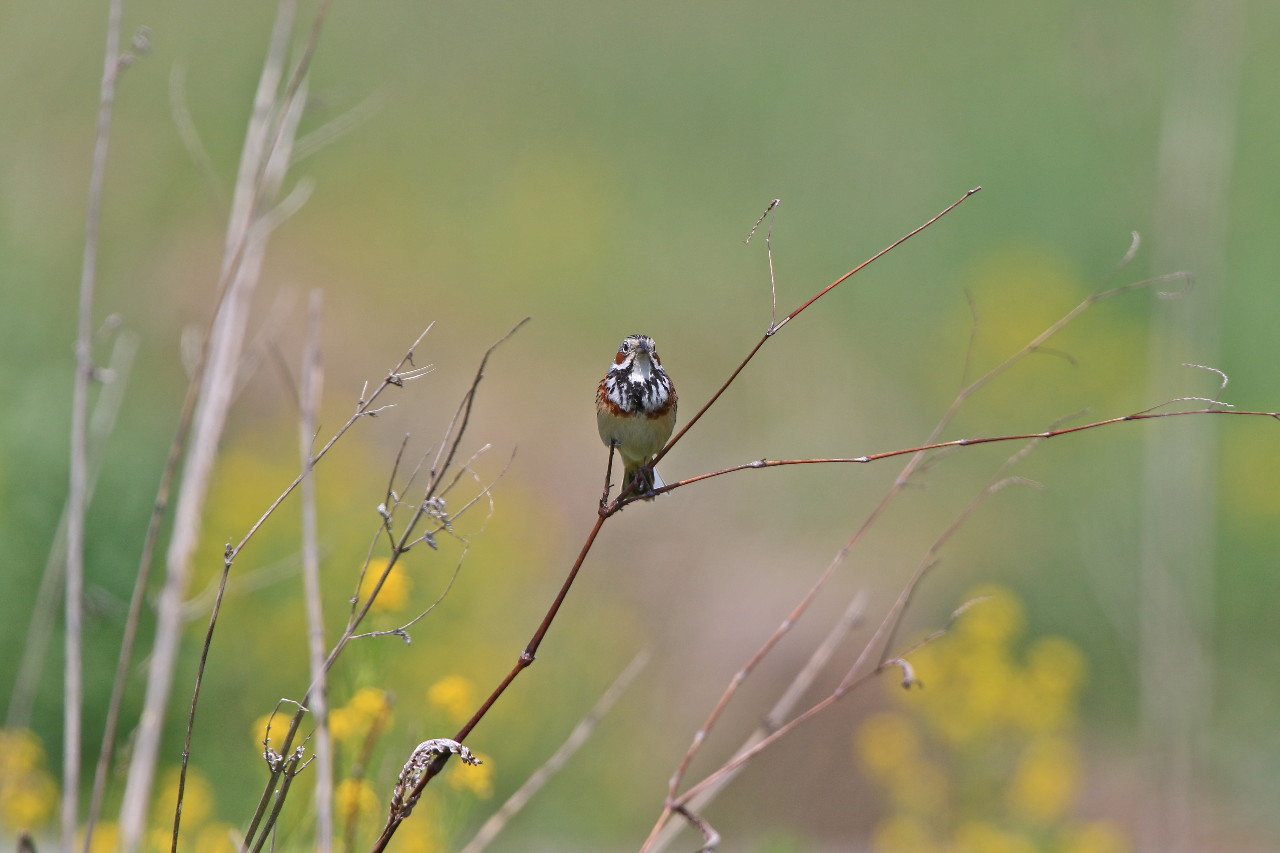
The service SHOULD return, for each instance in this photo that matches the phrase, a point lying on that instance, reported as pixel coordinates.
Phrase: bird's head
(637, 353)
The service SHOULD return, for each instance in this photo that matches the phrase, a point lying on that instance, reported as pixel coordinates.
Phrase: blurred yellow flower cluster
(28, 796)
(200, 832)
(984, 758)
(28, 793)
(394, 594)
(349, 724)
(455, 695)
(355, 800)
(473, 779)
(367, 708)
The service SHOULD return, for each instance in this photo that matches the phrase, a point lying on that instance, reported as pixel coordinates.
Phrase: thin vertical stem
(271, 122)
(311, 382)
(77, 501)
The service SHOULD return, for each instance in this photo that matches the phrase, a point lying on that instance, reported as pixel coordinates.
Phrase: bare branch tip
(1221, 375)
(1016, 481)
(963, 608)
(909, 679)
(772, 205)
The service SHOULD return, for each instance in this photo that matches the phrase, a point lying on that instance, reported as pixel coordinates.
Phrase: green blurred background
(597, 166)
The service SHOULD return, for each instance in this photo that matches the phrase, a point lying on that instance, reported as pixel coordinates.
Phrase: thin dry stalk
(263, 162)
(1144, 415)
(662, 836)
(448, 451)
(187, 132)
(774, 328)
(701, 793)
(312, 381)
(78, 487)
(263, 821)
(526, 658)
(861, 671)
(811, 595)
(608, 510)
(781, 709)
(768, 243)
(539, 778)
(365, 407)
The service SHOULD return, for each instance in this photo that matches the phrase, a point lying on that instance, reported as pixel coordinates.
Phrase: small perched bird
(636, 409)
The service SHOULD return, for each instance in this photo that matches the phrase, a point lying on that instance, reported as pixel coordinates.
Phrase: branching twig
(259, 829)
(701, 792)
(709, 835)
(526, 658)
(860, 672)
(774, 328)
(1145, 415)
(606, 511)
(364, 408)
(768, 243)
(661, 836)
(402, 631)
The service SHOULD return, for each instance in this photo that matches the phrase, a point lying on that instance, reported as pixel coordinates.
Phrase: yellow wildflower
(1099, 836)
(997, 619)
(215, 837)
(28, 792)
(977, 836)
(344, 725)
(370, 703)
(395, 590)
(352, 722)
(20, 753)
(419, 836)
(983, 758)
(901, 834)
(355, 798)
(106, 838)
(1046, 779)
(197, 799)
(28, 802)
(475, 779)
(454, 695)
(886, 741)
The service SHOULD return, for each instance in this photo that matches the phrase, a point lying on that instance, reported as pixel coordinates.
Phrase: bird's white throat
(641, 368)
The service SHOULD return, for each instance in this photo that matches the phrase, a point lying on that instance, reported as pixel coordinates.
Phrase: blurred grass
(597, 166)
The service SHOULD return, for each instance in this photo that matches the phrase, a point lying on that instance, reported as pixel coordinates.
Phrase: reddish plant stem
(960, 442)
(523, 662)
(775, 327)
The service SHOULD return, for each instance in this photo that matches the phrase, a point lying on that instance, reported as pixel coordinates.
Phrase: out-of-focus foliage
(597, 166)
(28, 792)
(987, 755)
